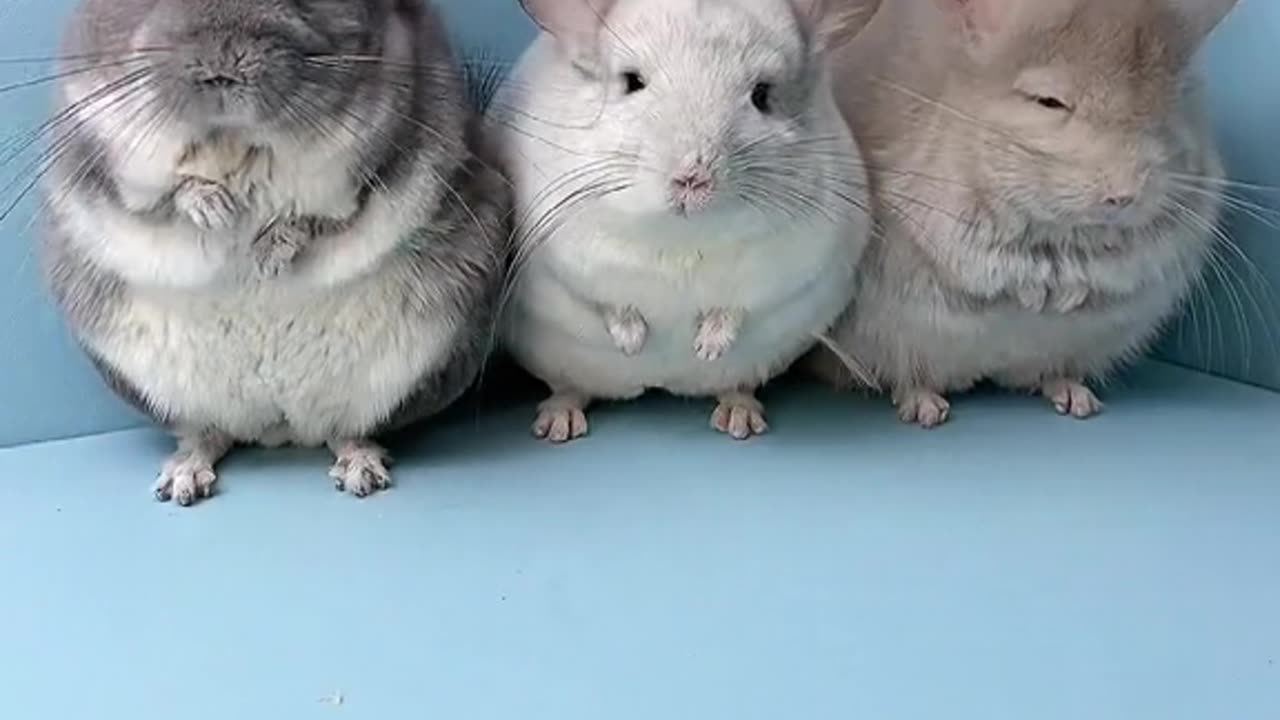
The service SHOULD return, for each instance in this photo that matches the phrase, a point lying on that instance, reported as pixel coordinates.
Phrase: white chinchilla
(690, 204)
(1047, 185)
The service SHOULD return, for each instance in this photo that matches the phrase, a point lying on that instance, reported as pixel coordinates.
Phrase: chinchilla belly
(271, 369)
(952, 349)
(564, 340)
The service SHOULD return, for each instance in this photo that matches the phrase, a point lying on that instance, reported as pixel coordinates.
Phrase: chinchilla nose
(225, 58)
(1122, 191)
(694, 180)
(218, 79)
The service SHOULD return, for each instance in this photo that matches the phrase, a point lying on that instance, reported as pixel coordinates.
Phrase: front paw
(207, 204)
(1033, 297)
(628, 329)
(717, 332)
(1070, 298)
(276, 247)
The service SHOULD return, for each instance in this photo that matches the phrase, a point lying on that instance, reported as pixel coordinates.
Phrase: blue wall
(1234, 328)
(47, 390)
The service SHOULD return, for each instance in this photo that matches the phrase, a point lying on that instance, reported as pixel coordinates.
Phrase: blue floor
(1011, 565)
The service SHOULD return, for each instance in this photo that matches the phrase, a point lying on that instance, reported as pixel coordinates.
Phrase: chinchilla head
(1072, 111)
(699, 106)
(290, 66)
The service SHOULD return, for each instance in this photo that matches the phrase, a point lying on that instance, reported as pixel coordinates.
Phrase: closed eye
(1050, 103)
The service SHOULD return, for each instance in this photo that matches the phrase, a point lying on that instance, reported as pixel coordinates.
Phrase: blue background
(48, 391)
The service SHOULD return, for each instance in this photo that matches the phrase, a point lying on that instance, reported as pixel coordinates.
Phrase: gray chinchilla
(268, 223)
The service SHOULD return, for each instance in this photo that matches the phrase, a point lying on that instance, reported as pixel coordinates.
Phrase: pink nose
(1120, 201)
(693, 183)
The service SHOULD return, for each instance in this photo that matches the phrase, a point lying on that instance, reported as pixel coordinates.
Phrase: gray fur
(358, 241)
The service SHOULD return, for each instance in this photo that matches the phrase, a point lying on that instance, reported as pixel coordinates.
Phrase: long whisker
(105, 98)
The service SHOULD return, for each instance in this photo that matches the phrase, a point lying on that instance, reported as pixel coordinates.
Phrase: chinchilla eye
(633, 82)
(762, 97)
(1051, 103)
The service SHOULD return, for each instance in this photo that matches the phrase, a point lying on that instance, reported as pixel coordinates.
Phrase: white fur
(274, 366)
(789, 278)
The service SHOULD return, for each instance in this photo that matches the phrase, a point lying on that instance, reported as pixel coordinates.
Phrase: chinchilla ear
(982, 22)
(835, 22)
(1203, 16)
(576, 25)
(987, 26)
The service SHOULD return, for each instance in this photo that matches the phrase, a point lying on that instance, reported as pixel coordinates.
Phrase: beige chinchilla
(1046, 184)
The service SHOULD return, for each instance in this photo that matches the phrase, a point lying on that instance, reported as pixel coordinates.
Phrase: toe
(720, 418)
(578, 424)
(541, 426)
(163, 489)
(184, 491)
(365, 485)
(739, 424)
(560, 428)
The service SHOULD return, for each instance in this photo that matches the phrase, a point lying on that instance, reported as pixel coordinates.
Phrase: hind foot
(188, 475)
(740, 416)
(925, 408)
(1072, 398)
(561, 418)
(360, 468)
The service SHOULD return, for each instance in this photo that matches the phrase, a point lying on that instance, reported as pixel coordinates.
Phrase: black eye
(633, 82)
(762, 97)
(1052, 103)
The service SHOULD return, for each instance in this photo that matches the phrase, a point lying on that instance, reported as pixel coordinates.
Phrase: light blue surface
(1014, 565)
(48, 390)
